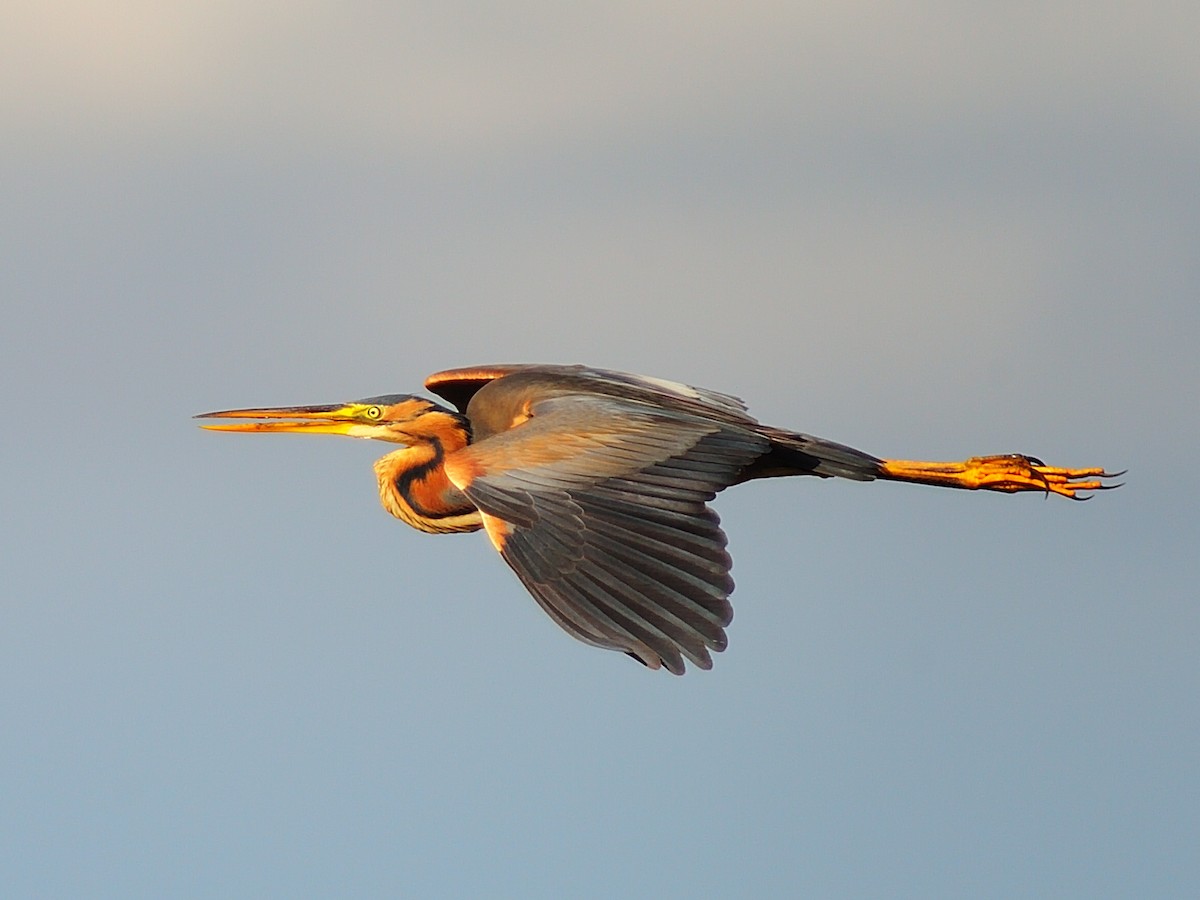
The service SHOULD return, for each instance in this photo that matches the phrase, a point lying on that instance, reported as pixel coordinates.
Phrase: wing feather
(611, 532)
(628, 617)
(691, 615)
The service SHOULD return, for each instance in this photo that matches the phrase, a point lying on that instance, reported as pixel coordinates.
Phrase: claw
(1067, 481)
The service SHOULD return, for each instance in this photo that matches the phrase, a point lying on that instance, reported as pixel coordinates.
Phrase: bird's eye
(374, 412)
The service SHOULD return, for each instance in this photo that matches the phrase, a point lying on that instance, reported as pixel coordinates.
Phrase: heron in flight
(594, 487)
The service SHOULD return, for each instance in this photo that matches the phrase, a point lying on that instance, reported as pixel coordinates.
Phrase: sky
(927, 230)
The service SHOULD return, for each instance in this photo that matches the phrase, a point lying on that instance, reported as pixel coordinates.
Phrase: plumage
(594, 487)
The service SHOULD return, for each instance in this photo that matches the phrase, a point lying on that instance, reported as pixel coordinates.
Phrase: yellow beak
(335, 419)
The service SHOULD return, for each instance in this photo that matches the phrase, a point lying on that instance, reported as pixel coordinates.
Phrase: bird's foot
(1009, 473)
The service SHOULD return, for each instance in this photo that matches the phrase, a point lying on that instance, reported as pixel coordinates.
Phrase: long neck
(414, 488)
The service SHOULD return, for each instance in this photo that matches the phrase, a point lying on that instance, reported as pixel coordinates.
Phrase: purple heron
(594, 487)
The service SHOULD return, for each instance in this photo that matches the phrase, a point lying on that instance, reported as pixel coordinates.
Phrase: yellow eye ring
(374, 412)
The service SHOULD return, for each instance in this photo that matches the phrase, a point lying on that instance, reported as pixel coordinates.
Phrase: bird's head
(396, 418)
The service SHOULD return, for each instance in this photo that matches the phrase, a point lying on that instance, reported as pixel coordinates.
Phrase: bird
(594, 486)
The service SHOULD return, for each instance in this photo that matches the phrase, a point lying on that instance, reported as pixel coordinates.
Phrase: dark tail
(792, 453)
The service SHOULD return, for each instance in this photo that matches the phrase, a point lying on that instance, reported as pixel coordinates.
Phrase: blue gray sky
(927, 230)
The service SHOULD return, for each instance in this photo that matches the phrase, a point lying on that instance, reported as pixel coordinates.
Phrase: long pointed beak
(333, 419)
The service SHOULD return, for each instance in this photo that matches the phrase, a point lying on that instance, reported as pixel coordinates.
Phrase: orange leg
(1010, 473)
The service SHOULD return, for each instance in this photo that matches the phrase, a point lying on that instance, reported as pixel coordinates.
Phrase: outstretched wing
(599, 504)
(459, 386)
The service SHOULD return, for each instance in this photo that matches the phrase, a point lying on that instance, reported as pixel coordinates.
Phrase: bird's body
(593, 485)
